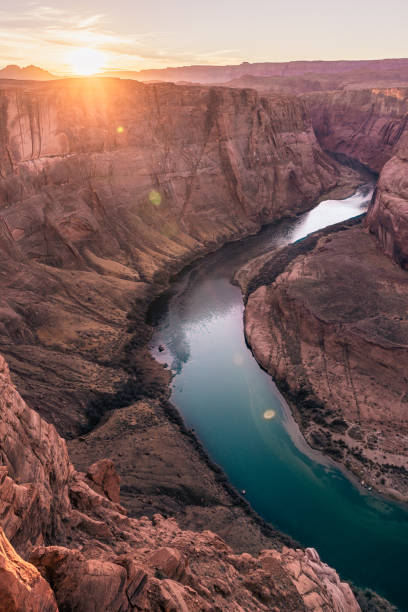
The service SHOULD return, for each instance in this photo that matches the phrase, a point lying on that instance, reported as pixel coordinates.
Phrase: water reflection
(229, 400)
(191, 308)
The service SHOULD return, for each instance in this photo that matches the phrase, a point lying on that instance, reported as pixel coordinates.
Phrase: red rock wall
(387, 217)
(367, 125)
(107, 186)
(96, 558)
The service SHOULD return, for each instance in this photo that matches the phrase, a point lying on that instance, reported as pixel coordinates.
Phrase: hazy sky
(135, 34)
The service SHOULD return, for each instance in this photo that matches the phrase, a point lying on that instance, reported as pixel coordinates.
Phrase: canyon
(107, 189)
(328, 318)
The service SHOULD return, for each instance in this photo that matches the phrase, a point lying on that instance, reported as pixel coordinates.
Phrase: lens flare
(238, 359)
(269, 414)
(120, 129)
(155, 198)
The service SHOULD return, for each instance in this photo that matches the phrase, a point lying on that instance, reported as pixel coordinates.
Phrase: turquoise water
(223, 394)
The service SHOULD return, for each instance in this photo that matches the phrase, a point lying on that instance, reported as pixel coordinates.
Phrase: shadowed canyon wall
(366, 125)
(371, 127)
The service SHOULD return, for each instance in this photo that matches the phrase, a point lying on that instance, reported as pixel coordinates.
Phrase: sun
(85, 61)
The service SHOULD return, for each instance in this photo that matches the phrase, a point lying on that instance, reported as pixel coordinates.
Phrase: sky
(139, 34)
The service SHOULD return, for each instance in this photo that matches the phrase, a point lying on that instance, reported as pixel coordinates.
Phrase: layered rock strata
(365, 125)
(107, 188)
(96, 558)
(387, 218)
(327, 318)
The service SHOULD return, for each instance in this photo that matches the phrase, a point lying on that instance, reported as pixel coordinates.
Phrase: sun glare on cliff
(86, 62)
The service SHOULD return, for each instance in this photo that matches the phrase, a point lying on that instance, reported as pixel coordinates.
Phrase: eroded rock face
(21, 585)
(96, 558)
(367, 125)
(329, 323)
(108, 187)
(387, 217)
(104, 479)
(34, 474)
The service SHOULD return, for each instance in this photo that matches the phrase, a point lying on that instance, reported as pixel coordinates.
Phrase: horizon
(126, 37)
(108, 71)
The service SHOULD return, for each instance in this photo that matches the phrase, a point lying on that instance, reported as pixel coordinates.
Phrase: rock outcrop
(96, 558)
(34, 472)
(21, 585)
(327, 318)
(365, 125)
(387, 217)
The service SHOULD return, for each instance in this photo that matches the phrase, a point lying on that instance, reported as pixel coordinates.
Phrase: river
(247, 428)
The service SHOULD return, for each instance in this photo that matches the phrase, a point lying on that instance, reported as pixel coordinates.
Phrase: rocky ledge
(85, 554)
(327, 318)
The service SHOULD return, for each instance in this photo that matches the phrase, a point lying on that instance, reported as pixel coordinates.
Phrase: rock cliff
(370, 126)
(365, 125)
(107, 188)
(327, 317)
(96, 558)
(387, 217)
(327, 320)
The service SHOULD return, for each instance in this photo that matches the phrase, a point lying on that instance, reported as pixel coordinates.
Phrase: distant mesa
(206, 74)
(268, 77)
(29, 73)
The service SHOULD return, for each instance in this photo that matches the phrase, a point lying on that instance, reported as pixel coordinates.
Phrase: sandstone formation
(327, 320)
(327, 317)
(21, 585)
(353, 79)
(388, 214)
(107, 188)
(366, 125)
(96, 558)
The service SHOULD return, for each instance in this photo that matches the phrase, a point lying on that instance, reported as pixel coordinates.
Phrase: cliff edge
(90, 556)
